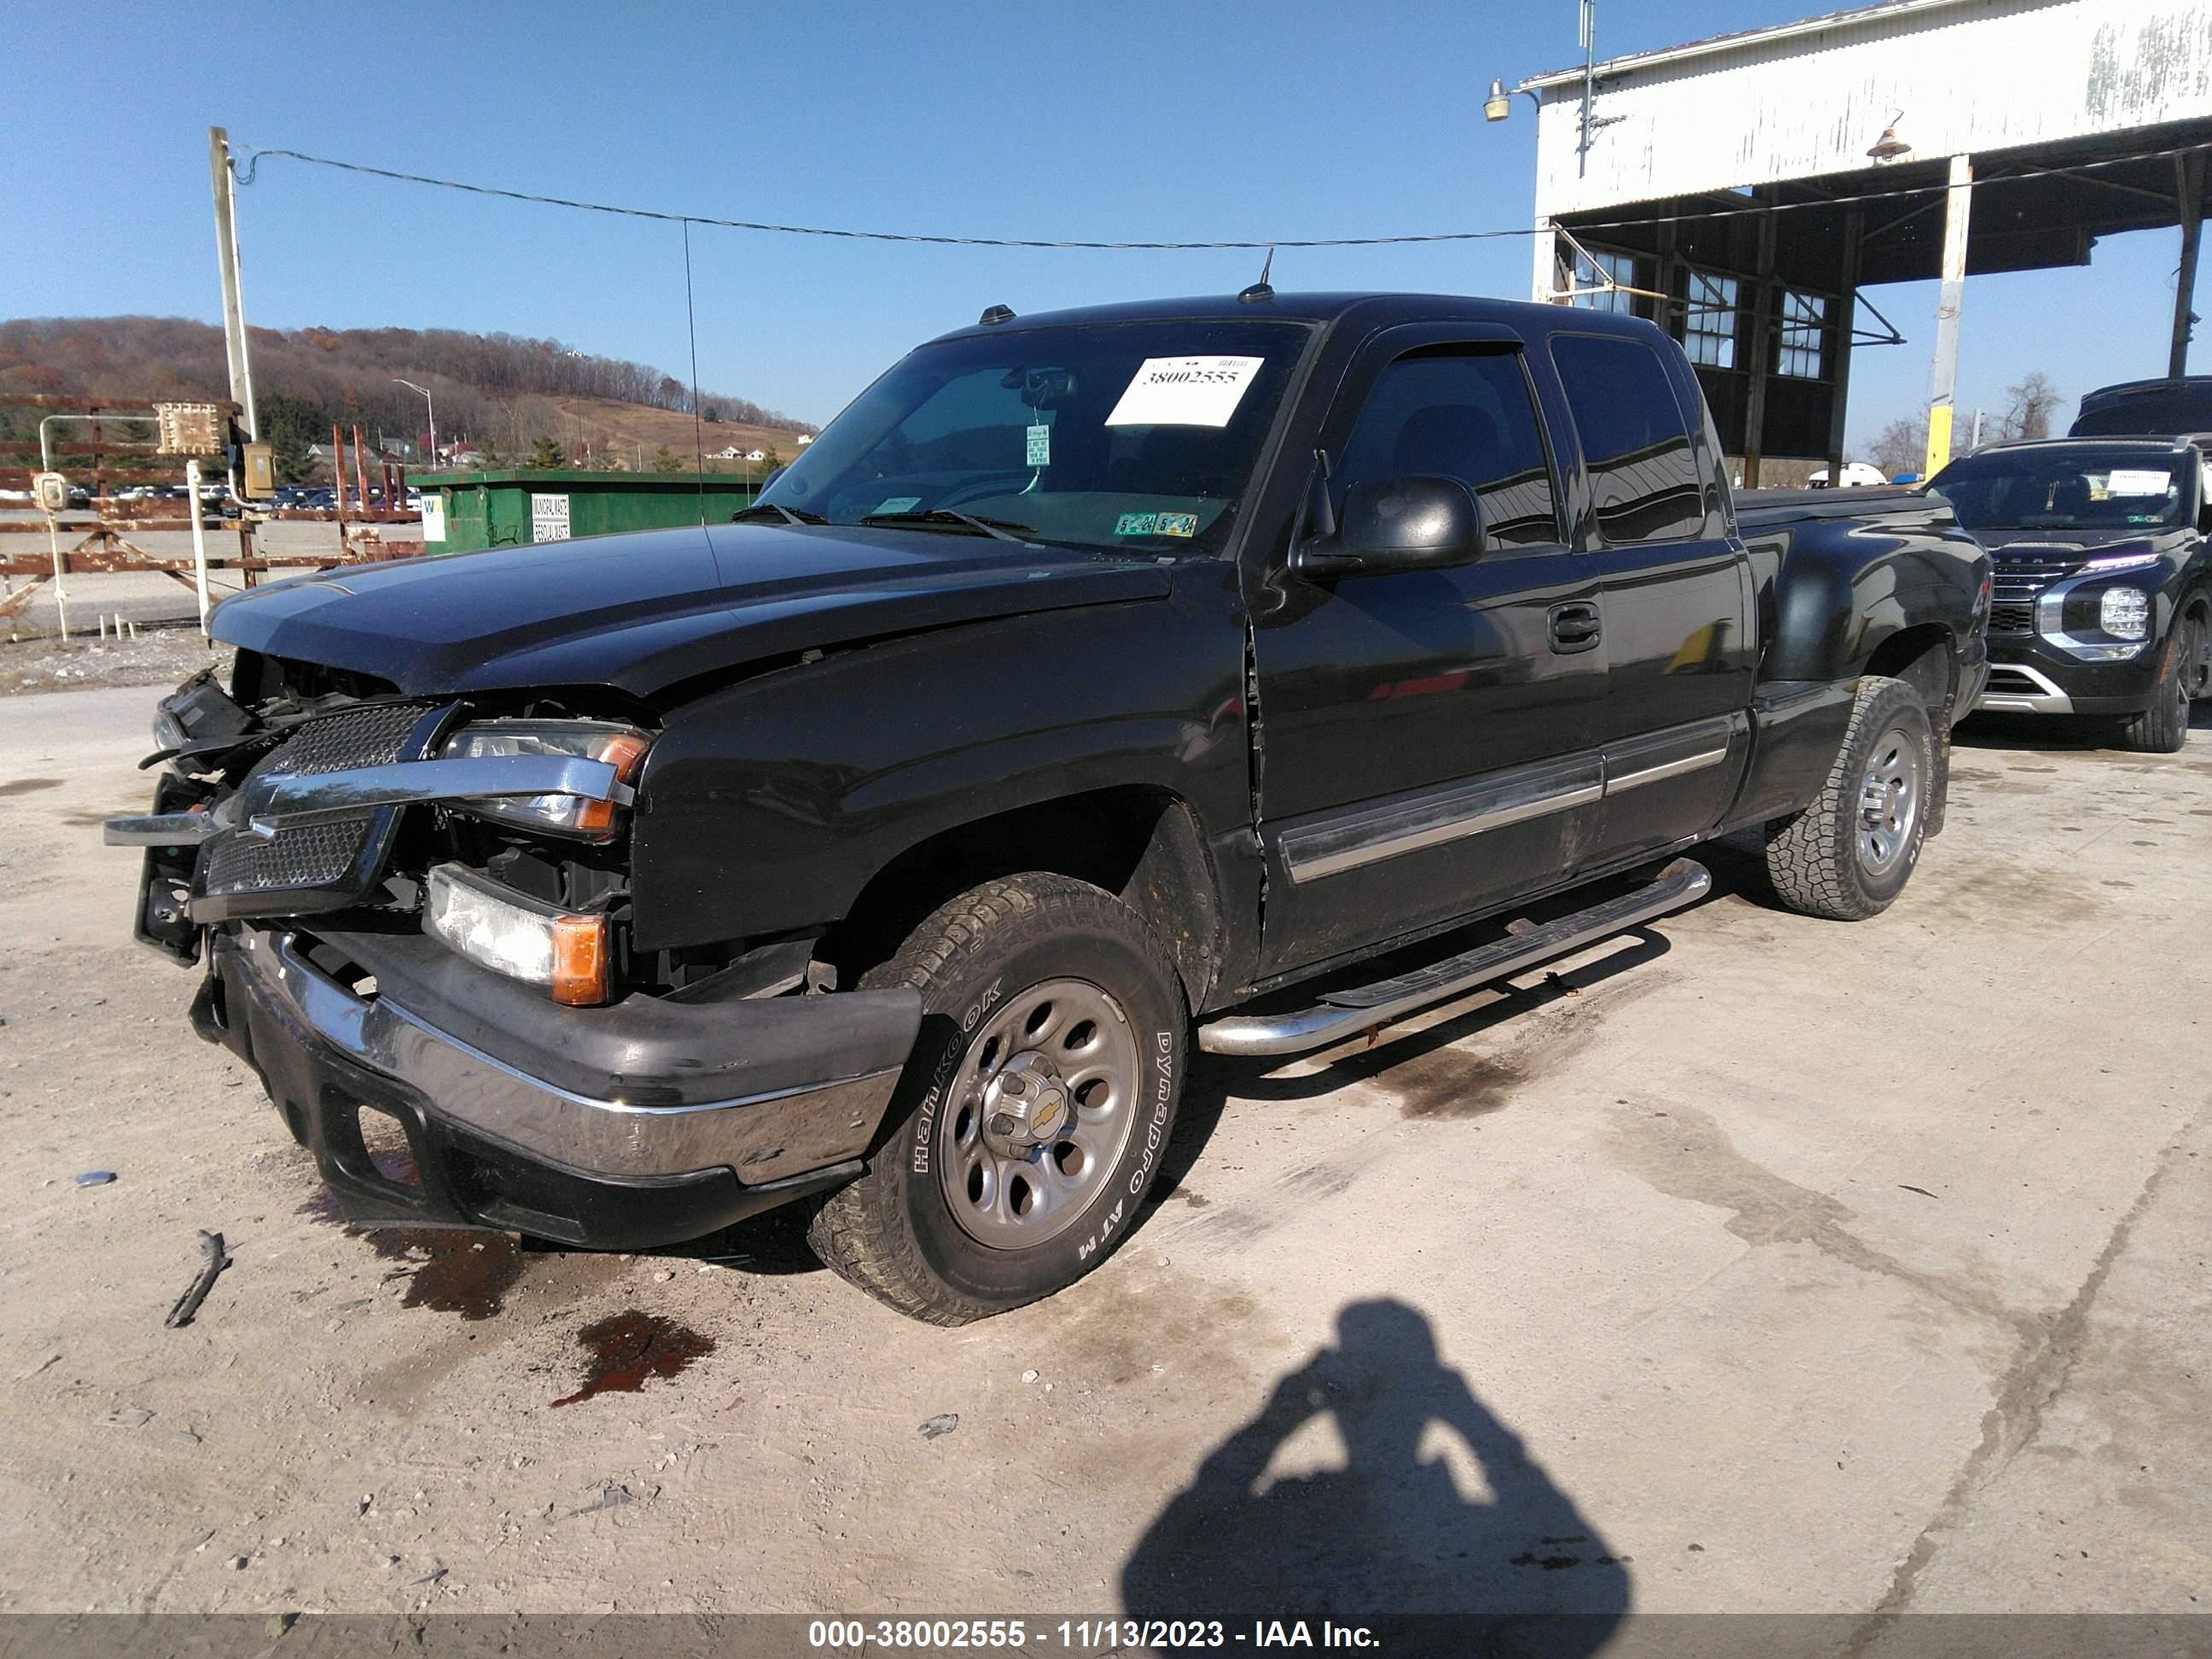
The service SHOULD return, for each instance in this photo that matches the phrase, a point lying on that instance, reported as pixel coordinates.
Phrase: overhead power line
(254, 157)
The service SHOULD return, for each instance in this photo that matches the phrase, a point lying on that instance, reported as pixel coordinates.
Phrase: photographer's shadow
(1391, 1532)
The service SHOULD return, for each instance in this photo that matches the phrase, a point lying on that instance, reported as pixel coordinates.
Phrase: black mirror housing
(1410, 523)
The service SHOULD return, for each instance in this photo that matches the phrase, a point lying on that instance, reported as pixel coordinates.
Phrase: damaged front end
(415, 916)
(298, 805)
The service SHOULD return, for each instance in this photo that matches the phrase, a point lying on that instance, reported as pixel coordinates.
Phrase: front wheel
(1033, 1112)
(2162, 728)
(1850, 853)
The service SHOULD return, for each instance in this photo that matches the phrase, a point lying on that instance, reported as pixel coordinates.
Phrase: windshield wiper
(940, 517)
(784, 514)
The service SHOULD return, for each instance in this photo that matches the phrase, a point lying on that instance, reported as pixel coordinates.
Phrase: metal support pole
(2191, 170)
(225, 253)
(360, 473)
(1764, 301)
(1943, 382)
(199, 542)
(1846, 329)
(1545, 284)
(1586, 17)
(61, 595)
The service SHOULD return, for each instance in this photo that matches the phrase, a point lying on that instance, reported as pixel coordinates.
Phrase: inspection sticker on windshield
(1185, 392)
(1178, 524)
(1137, 524)
(1039, 446)
(2131, 480)
(897, 504)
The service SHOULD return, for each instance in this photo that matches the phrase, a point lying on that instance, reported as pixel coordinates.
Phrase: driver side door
(1428, 739)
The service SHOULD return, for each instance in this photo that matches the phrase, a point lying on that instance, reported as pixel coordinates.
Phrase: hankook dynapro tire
(1033, 1112)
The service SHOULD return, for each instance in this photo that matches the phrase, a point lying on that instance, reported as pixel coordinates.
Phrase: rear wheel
(1034, 1111)
(1850, 853)
(2163, 727)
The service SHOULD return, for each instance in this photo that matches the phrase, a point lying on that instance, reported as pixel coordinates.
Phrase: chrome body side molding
(1365, 835)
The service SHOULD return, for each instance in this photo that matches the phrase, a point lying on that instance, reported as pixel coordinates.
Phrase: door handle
(1574, 627)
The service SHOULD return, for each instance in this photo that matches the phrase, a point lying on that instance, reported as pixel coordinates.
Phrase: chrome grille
(317, 853)
(2019, 574)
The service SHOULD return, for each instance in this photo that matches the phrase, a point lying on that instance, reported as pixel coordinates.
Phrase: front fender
(767, 807)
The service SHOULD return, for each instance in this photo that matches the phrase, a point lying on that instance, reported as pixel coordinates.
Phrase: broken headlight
(622, 747)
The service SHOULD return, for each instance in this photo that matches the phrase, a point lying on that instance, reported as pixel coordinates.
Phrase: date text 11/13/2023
(1082, 1635)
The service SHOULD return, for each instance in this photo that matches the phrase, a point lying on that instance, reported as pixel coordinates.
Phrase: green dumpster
(465, 512)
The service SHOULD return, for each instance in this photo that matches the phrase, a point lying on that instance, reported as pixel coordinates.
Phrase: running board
(1344, 1013)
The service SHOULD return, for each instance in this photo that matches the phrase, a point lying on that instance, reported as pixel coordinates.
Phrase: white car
(1854, 473)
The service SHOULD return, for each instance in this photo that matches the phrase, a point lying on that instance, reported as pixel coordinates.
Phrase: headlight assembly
(2125, 613)
(564, 953)
(622, 747)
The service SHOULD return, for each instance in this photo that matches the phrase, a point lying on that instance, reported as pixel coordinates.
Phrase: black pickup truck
(2103, 600)
(1092, 677)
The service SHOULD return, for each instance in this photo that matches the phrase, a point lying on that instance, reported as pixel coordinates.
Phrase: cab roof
(1376, 309)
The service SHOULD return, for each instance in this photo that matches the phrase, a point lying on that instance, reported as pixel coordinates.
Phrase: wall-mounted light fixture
(1889, 147)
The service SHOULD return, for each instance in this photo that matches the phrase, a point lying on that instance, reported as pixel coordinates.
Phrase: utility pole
(225, 253)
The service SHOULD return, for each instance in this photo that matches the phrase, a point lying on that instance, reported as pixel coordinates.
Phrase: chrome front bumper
(763, 1135)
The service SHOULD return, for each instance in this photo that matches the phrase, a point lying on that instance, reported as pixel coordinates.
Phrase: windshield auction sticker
(1185, 392)
(2128, 481)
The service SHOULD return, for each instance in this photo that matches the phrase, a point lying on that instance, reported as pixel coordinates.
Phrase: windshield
(2066, 489)
(1126, 435)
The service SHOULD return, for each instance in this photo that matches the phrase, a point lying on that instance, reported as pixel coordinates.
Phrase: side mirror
(1412, 522)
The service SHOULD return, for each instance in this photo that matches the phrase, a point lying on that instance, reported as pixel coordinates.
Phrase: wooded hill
(500, 392)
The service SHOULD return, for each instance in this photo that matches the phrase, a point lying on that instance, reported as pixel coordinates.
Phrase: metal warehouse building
(1742, 189)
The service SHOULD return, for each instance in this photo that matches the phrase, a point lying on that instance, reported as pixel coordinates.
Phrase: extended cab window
(1461, 413)
(1636, 441)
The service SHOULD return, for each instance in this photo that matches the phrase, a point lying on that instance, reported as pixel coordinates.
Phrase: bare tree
(2027, 414)
(1901, 446)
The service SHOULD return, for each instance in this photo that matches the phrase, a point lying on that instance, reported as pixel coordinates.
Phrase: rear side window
(1464, 414)
(1642, 472)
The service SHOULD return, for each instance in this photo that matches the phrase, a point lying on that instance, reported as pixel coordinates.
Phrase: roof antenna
(1259, 290)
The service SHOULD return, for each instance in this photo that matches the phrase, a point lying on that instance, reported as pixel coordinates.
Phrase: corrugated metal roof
(1713, 43)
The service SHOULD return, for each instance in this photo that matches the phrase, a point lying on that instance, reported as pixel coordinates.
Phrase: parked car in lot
(2103, 602)
(1097, 683)
(2162, 407)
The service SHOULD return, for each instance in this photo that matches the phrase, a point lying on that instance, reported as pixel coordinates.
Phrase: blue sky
(1137, 119)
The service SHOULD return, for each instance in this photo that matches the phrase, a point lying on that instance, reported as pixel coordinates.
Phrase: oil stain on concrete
(629, 1348)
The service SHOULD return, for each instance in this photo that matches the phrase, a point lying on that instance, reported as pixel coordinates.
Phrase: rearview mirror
(1411, 523)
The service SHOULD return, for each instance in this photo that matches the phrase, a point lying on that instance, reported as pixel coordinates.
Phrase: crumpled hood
(640, 612)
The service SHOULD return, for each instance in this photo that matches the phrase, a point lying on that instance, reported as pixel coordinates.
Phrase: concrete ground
(1754, 1263)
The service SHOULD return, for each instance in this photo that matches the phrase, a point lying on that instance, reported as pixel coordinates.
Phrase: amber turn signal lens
(580, 961)
(625, 754)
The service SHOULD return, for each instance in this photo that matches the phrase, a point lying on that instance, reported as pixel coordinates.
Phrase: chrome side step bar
(1347, 1012)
